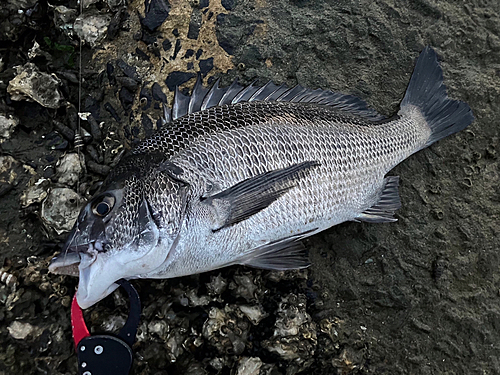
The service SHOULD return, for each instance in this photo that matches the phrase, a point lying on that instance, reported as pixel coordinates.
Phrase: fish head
(117, 235)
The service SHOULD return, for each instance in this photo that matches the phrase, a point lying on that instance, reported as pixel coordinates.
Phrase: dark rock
(167, 44)
(156, 13)
(188, 53)
(108, 107)
(194, 24)
(110, 69)
(115, 24)
(190, 66)
(128, 70)
(65, 131)
(95, 130)
(206, 66)
(226, 35)
(227, 4)
(126, 98)
(175, 32)
(198, 53)
(30, 114)
(204, 3)
(251, 57)
(147, 124)
(148, 38)
(94, 154)
(100, 169)
(175, 79)
(49, 172)
(4, 189)
(127, 82)
(158, 93)
(143, 55)
(176, 49)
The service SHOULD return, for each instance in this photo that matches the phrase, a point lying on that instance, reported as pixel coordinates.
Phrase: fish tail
(427, 92)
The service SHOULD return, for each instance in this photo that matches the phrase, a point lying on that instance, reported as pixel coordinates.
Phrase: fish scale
(354, 156)
(240, 175)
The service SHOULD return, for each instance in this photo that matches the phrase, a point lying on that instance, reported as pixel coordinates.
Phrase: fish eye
(102, 209)
(103, 206)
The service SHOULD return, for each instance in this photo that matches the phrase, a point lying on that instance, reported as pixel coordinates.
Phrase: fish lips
(67, 262)
(92, 268)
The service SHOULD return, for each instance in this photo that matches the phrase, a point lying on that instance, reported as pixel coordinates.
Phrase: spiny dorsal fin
(203, 98)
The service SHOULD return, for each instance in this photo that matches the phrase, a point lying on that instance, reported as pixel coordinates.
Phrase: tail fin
(427, 91)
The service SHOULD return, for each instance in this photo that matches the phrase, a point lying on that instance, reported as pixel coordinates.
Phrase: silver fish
(241, 175)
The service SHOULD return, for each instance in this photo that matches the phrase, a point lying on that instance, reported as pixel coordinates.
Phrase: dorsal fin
(181, 104)
(203, 98)
(199, 93)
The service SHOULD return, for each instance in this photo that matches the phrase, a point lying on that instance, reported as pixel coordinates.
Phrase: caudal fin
(427, 91)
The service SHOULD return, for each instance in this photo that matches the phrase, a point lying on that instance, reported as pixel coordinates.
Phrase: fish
(240, 175)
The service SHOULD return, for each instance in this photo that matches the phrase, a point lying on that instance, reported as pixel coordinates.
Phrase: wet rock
(156, 13)
(60, 209)
(245, 285)
(175, 79)
(226, 330)
(174, 344)
(206, 66)
(294, 336)
(194, 24)
(35, 193)
(113, 323)
(23, 4)
(195, 300)
(7, 172)
(217, 363)
(87, 3)
(254, 313)
(64, 17)
(31, 84)
(159, 328)
(69, 168)
(249, 366)
(21, 330)
(37, 51)
(92, 27)
(216, 286)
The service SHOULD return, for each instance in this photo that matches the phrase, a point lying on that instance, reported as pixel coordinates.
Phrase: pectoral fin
(255, 194)
(387, 204)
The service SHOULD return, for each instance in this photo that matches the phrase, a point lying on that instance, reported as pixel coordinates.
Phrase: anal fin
(389, 201)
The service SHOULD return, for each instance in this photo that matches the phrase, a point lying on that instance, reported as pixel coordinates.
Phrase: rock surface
(420, 296)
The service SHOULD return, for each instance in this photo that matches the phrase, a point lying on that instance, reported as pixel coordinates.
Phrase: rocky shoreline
(419, 296)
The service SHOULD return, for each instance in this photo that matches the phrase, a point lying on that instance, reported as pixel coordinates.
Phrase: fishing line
(78, 141)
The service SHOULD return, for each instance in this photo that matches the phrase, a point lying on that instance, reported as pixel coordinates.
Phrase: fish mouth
(65, 263)
(68, 261)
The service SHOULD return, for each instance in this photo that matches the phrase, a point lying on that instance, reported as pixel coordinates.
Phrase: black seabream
(239, 175)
